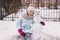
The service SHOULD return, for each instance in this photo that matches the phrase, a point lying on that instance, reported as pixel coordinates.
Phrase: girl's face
(30, 13)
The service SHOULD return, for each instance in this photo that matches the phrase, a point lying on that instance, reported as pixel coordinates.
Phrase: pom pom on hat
(32, 5)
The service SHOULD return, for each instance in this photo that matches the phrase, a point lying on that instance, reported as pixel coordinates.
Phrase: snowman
(37, 27)
(38, 30)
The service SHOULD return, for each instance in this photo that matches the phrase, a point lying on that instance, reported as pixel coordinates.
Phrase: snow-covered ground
(8, 29)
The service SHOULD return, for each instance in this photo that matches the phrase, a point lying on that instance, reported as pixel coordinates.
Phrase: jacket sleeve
(19, 22)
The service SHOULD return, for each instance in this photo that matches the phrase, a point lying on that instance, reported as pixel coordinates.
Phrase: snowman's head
(37, 19)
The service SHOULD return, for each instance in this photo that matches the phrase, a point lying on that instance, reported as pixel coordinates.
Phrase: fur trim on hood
(28, 17)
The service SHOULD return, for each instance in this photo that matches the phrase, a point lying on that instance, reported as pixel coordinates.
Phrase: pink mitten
(43, 23)
(21, 32)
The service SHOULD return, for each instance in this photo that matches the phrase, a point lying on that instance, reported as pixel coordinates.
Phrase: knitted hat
(31, 8)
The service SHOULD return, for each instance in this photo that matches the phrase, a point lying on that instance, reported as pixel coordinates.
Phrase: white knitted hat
(31, 8)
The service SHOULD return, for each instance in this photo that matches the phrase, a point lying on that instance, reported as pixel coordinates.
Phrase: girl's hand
(43, 23)
(21, 32)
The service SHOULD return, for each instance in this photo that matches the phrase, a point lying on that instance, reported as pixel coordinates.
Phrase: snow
(8, 29)
(52, 28)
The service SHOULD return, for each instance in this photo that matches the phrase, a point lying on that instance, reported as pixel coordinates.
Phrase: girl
(25, 22)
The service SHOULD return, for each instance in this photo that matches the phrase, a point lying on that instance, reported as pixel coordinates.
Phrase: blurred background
(10, 10)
